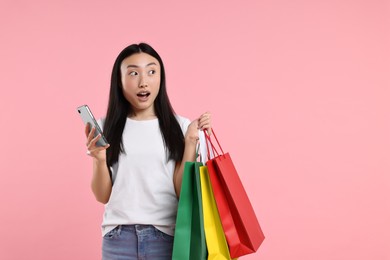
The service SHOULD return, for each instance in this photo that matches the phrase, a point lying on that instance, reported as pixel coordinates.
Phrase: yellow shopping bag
(215, 237)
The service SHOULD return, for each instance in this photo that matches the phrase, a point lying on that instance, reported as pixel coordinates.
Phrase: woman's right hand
(97, 152)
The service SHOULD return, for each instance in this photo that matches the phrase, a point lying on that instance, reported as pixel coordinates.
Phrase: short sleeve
(184, 123)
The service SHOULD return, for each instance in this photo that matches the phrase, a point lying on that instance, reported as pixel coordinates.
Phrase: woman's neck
(142, 115)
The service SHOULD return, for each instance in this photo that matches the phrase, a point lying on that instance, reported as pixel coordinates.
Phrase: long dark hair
(119, 108)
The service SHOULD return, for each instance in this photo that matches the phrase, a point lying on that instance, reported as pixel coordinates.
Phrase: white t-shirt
(143, 191)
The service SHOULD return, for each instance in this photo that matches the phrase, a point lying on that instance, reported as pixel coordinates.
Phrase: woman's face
(141, 76)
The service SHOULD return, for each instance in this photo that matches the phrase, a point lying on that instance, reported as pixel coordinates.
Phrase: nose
(143, 82)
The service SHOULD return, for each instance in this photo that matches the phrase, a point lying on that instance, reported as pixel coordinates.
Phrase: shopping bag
(189, 240)
(239, 221)
(215, 238)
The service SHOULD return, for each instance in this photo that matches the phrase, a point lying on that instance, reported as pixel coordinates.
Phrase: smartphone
(88, 118)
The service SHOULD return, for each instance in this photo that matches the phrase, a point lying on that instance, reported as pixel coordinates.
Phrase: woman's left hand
(204, 122)
(201, 123)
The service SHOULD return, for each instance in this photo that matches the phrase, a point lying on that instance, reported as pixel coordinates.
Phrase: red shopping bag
(239, 221)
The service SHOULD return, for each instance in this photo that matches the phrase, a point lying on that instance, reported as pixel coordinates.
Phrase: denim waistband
(139, 229)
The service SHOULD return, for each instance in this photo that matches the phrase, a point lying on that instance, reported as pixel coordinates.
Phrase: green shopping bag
(189, 242)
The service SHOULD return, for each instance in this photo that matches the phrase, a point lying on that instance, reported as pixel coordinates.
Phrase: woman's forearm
(101, 181)
(188, 156)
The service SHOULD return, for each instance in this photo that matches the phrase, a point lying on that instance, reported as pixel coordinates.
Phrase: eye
(133, 73)
(151, 72)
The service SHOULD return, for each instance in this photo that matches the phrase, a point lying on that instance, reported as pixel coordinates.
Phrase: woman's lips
(143, 96)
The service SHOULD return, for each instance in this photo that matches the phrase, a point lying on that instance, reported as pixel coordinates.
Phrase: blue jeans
(141, 242)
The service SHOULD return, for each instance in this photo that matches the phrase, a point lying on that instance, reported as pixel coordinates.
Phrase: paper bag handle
(208, 139)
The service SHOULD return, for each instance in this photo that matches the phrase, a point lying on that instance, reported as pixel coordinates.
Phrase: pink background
(299, 92)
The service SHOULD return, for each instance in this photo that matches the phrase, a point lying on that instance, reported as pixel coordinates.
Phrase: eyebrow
(135, 66)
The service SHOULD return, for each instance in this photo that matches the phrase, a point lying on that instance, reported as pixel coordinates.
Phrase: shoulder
(182, 119)
(183, 122)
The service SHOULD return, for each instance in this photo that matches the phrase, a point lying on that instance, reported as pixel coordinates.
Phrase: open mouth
(143, 94)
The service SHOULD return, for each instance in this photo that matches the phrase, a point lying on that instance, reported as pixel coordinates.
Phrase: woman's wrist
(99, 161)
(191, 141)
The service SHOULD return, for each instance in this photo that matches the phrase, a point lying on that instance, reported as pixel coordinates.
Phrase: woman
(138, 175)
